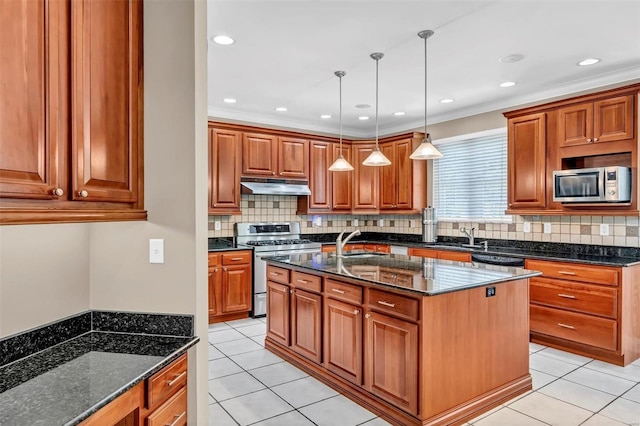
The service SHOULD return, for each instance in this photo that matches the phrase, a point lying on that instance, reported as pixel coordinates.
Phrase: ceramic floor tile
(552, 366)
(276, 374)
(214, 353)
(259, 339)
(550, 410)
(541, 379)
(232, 386)
(218, 326)
(292, 418)
(506, 416)
(257, 329)
(236, 347)
(222, 367)
(245, 322)
(582, 396)
(633, 394)
(263, 319)
(337, 411)
(304, 391)
(254, 407)
(211, 399)
(599, 420)
(378, 421)
(565, 356)
(219, 417)
(256, 359)
(636, 362)
(485, 414)
(598, 380)
(624, 411)
(227, 335)
(630, 372)
(534, 347)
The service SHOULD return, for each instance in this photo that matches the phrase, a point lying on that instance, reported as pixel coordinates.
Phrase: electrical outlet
(604, 229)
(526, 227)
(412, 223)
(317, 221)
(355, 222)
(547, 228)
(381, 222)
(217, 226)
(156, 250)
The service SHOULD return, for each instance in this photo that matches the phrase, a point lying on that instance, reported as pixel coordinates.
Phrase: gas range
(263, 237)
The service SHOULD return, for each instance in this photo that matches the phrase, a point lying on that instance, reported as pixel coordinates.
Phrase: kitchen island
(417, 341)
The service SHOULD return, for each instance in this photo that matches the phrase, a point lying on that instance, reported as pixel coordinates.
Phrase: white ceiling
(286, 53)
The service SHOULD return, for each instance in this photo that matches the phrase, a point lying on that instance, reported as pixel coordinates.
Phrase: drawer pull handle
(337, 290)
(177, 419)
(570, 327)
(566, 273)
(303, 281)
(383, 303)
(274, 274)
(235, 259)
(566, 296)
(176, 379)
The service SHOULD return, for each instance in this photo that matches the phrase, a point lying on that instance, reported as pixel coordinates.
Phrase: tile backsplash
(623, 230)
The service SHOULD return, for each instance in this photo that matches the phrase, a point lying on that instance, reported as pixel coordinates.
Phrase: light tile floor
(249, 385)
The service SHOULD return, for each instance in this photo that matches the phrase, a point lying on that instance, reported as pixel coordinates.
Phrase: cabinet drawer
(575, 272)
(306, 281)
(173, 412)
(422, 252)
(278, 275)
(581, 328)
(590, 299)
(167, 381)
(454, 255)
(236, 257)
(343, 291)
(214, 259)
(393, 304)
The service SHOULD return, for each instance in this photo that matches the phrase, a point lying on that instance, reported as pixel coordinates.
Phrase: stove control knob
(612, 192)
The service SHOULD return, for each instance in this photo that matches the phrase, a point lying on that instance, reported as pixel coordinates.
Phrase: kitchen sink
(361, 254)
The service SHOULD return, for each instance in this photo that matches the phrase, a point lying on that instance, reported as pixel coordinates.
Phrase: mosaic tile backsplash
(623, 230)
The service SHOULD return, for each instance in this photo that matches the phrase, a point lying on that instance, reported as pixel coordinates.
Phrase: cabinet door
(106, 82)
(278, 312)
(293, 158)
(366, 180)
(526, 162)
(236, 288)
(388, 178)
(575, 125)
(259, 155)
(404, 175)
(215, 278)
(224, 171)
(342, 182)
(32, 98)
(391, 360)
(613, 119)
(319, 175)
(306, 324)
(343, 339)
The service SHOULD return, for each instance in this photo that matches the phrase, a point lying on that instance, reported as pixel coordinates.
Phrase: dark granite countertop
(579, 253)
(428, 277)
(224, 244)
(65, 383)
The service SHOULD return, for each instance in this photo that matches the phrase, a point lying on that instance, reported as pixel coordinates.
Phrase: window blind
(470, 180)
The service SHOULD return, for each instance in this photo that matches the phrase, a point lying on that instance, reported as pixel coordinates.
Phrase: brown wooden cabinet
(278, 312)
(225, 167)
(306, 324)
(342, 182)
(366, 192)
(320, 158)
(80, 163)
(230, 279)
(440, 254)
(266, 155)
(293, 158)
(397, 189)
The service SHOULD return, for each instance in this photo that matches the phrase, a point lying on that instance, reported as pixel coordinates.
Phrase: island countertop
(423, 276)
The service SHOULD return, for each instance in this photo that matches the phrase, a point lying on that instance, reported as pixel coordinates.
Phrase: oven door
(579, 186)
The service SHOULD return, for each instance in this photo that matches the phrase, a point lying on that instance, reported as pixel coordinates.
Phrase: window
(470, 180)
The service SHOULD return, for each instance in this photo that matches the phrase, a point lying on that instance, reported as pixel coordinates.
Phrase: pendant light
(426, 150)
(341, 164)
(376, 158)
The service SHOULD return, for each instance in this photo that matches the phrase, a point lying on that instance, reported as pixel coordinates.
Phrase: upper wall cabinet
(225, 165)
(402, 184)
(366, 188)
(265, 155)
(71, 111)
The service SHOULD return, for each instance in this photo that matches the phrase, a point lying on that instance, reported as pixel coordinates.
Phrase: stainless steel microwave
(596, 185)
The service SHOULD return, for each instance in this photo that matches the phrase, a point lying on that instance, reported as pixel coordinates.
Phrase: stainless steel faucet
(469, 235)
(340, 243)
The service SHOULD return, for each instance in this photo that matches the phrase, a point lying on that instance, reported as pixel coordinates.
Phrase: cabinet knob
(367, 316)
(588, 139)
(273, 173)
(83, 193)
(58, 192)
(291, 291)
(356, 312)
(510, 204)
(595, 139)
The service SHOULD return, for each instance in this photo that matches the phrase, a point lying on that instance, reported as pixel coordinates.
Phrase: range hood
(267, 186)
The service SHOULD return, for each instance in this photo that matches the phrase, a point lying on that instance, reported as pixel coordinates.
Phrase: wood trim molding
(17, 216)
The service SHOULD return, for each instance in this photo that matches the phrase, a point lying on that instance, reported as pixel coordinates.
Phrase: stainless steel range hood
(274, 186)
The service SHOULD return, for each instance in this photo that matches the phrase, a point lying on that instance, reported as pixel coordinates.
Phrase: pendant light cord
(425, 86)
(377, 60)
(340, 79)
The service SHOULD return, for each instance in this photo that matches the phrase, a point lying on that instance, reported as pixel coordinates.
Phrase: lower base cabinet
(306, 323)
(343, 339)
(230, 279)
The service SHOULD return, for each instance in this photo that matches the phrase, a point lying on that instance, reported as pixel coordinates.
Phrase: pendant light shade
(426, 150)
(376, 158)
(341, 164)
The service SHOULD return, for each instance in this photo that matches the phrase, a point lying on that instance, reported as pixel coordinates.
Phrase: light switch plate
(526, 227)
(156, 250)
(604, 229)
(317, 221)
(412, 223)
(381, 222)
(547, 228)
(355, 222)
(216, 225)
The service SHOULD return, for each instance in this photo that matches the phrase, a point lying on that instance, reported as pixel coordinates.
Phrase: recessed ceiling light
(325, 116)
(281, 109)
(399, 113)
(508, 84)
(223, 39)
(446, 101)
(363, 117)
(363, 106)
(511, 58)
(229, 100)
(589, 61)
